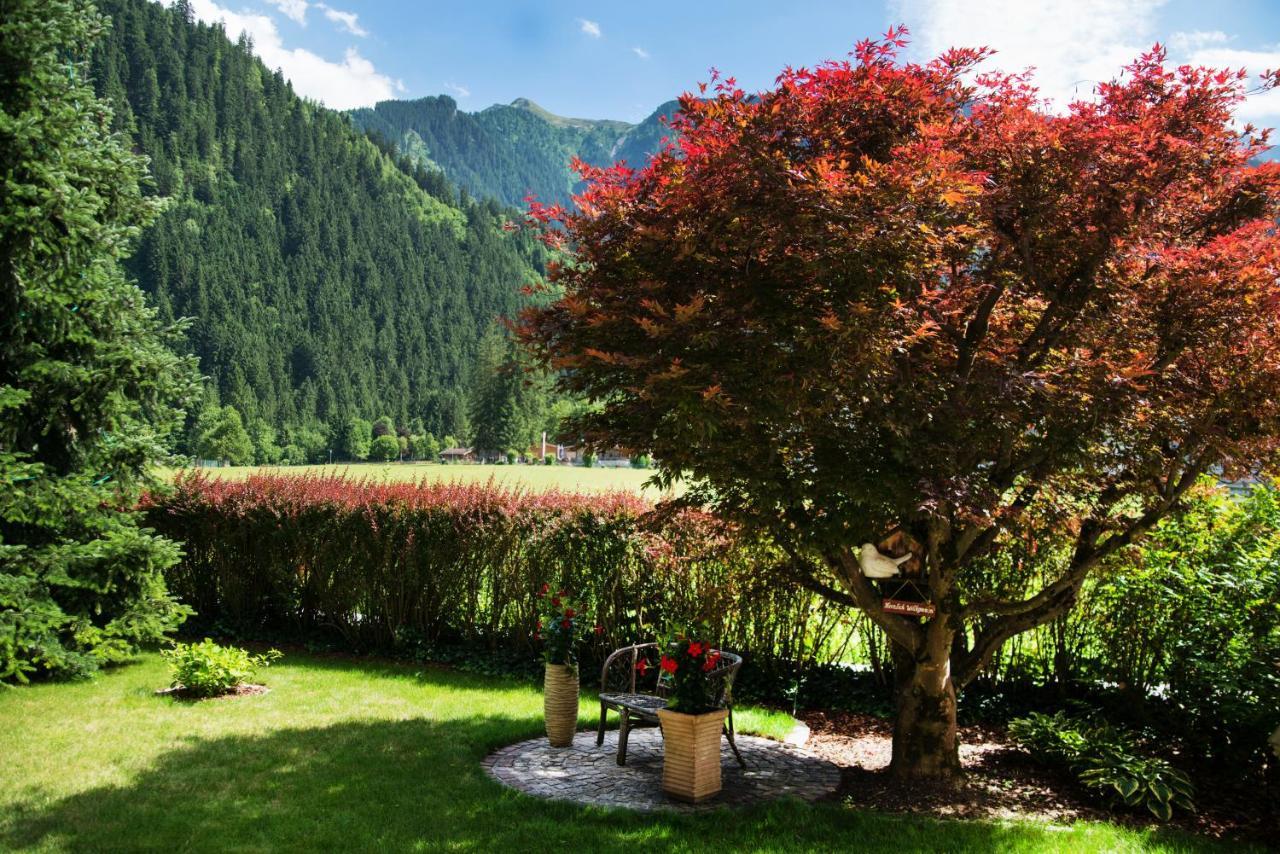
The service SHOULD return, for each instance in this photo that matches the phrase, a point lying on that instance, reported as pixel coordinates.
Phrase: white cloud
(1262, 108)
(293, 9)
(458, 89)
(1072, 46)
(640, 52)
(354, 82)
(1075, 46)
(591, 28)
(347, 20)
(1183, 41)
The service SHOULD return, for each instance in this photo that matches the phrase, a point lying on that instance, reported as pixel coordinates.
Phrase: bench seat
(619, 690)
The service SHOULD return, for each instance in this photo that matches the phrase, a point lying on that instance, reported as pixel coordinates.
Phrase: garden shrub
(1180, 633)
(206, 669)
(1106, 760)
(1191, 623)
(447, 564)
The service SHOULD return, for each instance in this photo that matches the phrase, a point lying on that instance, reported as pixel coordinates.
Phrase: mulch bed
(247, 689)
(1002, 782)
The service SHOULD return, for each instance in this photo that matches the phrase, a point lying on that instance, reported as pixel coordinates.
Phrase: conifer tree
(89, 387)
(325, 277)
(496, 397)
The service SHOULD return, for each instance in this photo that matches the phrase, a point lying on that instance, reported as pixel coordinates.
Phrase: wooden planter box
(691, 754)
(560, 704)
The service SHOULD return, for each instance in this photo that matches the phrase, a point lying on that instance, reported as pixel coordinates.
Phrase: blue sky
(616, 60)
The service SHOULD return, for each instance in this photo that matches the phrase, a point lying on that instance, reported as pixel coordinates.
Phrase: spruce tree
(495, 398)
(89, 387)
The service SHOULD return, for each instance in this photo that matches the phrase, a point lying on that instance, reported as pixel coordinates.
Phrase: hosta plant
(1136, 781)
(1107, 761)
(206, 669)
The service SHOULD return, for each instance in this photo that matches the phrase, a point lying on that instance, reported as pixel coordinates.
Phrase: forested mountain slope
(509, 151)
(327, 282)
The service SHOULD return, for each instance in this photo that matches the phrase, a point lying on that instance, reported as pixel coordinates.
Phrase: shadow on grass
(418, 784)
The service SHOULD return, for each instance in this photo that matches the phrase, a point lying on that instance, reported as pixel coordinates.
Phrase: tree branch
(809, 581)
(977, 328)
(1056, 598)
(901, 631)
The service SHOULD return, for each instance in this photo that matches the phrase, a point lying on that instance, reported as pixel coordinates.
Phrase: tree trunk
(925, 745)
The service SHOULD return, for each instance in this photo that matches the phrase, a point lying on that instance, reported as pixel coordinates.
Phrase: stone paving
(587, 774)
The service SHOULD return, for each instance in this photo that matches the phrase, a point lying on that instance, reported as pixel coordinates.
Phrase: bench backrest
(620, 673)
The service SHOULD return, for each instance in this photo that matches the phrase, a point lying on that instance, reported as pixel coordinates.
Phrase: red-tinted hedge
(446, 562)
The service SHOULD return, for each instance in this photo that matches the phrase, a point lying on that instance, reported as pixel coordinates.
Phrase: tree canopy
(221, 436)
(882, 298)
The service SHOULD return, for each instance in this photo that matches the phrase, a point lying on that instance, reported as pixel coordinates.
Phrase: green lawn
(347, 755)
(568, 478)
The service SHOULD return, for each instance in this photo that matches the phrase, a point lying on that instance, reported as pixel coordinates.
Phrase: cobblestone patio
(587, 774)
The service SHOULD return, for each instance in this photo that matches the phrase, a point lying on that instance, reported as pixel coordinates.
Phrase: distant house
(565, 454)
(614, 458)
(458, 455)
(574, 455)
(1240, 488)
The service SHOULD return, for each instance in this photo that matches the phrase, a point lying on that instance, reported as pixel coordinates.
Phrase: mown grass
(356, 756)
(532, 477)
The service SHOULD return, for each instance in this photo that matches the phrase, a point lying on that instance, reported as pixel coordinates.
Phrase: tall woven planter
(691, 754)
(560, 704)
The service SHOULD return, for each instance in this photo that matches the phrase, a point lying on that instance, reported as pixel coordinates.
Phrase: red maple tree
(895, 296)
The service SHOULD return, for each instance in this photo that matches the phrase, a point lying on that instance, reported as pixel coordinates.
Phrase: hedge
(381, 564)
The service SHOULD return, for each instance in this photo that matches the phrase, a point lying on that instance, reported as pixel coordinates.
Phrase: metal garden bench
(622, 688)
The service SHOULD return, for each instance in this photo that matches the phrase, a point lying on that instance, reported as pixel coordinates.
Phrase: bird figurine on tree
(876, 565)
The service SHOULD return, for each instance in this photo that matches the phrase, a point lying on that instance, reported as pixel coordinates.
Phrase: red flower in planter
(695, 649)
(566, 624)
(668, 664)
(569, 612)
(642, 667)
(555, 600)
(545, 588)
(712, 660)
